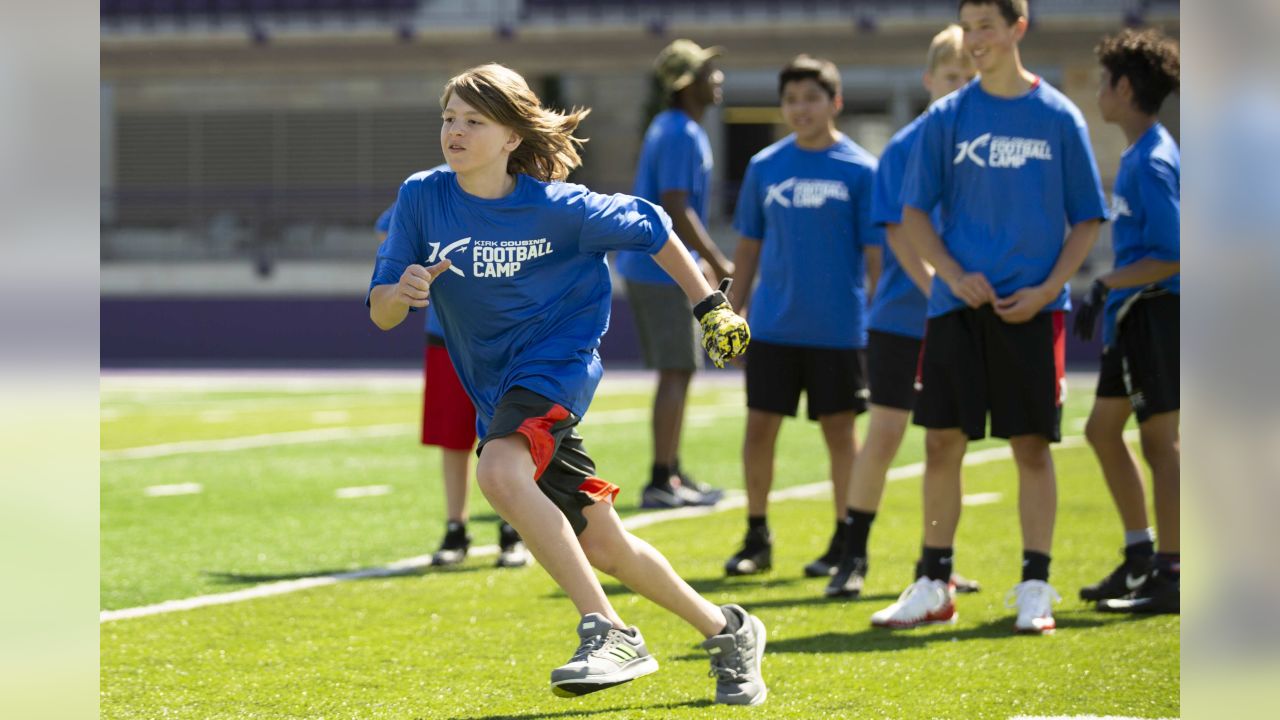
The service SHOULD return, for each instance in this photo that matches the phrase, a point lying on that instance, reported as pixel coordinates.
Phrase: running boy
(516, 262)
(1140, 323)
(449, 423)
(896, 325)
(804, 216)
(674, 171)
(1008, 159)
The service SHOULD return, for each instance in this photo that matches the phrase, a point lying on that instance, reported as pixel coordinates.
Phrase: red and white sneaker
(1034, 600)
(925, 602)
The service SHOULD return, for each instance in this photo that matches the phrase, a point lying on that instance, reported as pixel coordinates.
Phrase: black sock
(454, 527)
(1169, 564)
(758, 523)
(937, 563)
(1142, 550)
(661, 476)
(857, 528)
(1035, 566)
(732, 623)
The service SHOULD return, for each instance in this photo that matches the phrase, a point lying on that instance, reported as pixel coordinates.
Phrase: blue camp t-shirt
(811, 211)
(383, 225)
(1010, 174)
(1145, 212)
(898, 306)
(676, 156)
(527, 297)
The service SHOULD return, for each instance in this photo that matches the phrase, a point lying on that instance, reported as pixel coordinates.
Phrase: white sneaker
(925, 602)
(1034, 600)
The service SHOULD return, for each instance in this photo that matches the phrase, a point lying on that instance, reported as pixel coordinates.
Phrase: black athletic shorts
(1142, 362)
(974, 363)
(832, 378)
(564, 472)
(892, 365)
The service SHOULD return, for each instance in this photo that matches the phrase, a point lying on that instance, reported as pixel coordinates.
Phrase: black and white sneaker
(660, 496)
(453, 549)
(1126, 579)
(511, 550)
(850, 574)
(756, 554)
(606, 656)
(1158, 595)
(709, 495)
(825, 566)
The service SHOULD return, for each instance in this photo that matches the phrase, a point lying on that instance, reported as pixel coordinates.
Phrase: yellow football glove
(725, 334)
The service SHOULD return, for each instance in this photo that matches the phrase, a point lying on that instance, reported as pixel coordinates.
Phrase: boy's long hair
(1149, 59)
(548, 149)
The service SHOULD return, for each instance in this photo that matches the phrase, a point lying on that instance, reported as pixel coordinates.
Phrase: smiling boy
(1008, 159)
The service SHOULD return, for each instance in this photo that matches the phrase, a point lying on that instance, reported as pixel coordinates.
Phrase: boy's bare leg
(885, 430)
(1105, 433)
(1037, 491)
(1161, 448)
(456, 465)
(757, 458)
(944, 454)
(842, 448)
(505, 475)
(615, 551)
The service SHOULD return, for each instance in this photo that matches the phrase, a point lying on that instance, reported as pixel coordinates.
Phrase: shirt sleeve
(678, 162)
(1159, 193)
(622, 222)
(870, 233)
(748, 216)
(886, 190)
(1083, 186)
(925, 171)
(404, 244)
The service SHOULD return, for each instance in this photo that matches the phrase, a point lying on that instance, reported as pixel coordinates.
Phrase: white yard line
(296, 437)
(731, 502)
(179, 489)
(986, 498)
(349, 493)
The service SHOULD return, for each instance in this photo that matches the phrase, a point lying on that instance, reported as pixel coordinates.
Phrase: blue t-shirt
(811, 211)
(383, 225)
(1010, 174)
(898, 306)
(1145, 212)
(676, 156)
(527, 297)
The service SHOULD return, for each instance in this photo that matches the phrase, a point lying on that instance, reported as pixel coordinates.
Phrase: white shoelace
(1032, 596)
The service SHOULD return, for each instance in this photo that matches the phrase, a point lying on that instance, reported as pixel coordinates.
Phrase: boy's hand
(1087, 314)
(725, 334)
(414, 288)
(1023, 304)
(974, 289)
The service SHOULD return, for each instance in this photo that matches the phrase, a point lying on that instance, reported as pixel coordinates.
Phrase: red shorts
(448, 418)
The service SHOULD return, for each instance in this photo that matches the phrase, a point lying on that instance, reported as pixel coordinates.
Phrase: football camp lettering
(1002, 151)
(504, 258)
(805, 193)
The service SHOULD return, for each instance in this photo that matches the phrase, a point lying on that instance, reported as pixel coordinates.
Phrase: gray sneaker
(735, 661)
(606, 657)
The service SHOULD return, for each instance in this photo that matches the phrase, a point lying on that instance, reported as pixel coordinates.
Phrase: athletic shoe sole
(1034, 631)
(903, 625)
(580, 686)
(761, 634)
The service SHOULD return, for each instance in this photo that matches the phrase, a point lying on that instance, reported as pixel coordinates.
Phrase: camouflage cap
(679, 62)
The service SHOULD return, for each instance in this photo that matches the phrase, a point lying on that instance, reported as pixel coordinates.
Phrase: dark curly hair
(1149, 59)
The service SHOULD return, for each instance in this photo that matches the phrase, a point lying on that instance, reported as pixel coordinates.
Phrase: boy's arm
(745, 261)
(972, 288)
(912, 264)
(1023, 305)
(389, 304)
(1144, 272)
(688, 225)
(724, 333)
(873, 259)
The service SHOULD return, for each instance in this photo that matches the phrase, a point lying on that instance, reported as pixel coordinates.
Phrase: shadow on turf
(882, 640)
(582, 713)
